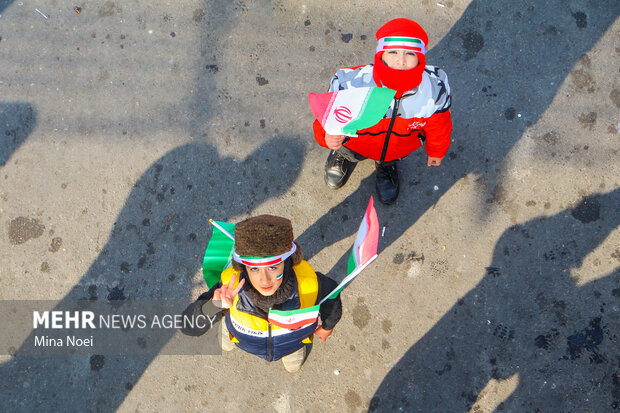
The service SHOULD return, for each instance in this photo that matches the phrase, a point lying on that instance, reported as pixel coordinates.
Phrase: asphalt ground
(125, 127)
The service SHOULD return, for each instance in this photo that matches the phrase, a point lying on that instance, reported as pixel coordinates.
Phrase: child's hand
(334, 141)
(226, 294)
(322, 333)
(432, 161)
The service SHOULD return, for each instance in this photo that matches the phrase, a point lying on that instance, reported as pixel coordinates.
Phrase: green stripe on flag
(218, 254)
(351, 265)
(335, 293)
(373, 109)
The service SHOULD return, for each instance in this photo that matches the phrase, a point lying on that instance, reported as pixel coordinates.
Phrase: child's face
(266, 280)
(400, 59)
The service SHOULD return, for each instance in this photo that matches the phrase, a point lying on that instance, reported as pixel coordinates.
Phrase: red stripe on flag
(371, 242)
(328, 109)
(320, 105)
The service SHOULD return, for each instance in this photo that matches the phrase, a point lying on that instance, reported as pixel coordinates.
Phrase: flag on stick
(364, 248)
(346, 111)
(219, 252)
(294, 319)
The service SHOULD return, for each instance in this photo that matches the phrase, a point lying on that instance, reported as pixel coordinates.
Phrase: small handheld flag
(364, 248)
(344, 112)
(294, 319)
(218, 253)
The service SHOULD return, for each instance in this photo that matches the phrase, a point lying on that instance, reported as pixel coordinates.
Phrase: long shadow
(153, 252)
(529, 317)
(155, 246)
(17, 120)
(4, 4)
(505, 61)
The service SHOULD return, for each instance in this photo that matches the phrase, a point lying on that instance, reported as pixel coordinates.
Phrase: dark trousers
(353, 156)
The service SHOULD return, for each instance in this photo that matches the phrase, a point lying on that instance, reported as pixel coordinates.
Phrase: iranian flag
(219, 252)
(364, 248)
(294, 319)
(346, 111)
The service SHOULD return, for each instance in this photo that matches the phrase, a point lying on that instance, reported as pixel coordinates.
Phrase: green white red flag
(294, 319)
(364, 248)
(218, 254)
(344, 112)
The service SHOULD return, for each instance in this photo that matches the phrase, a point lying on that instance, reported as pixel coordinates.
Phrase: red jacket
(424, 109)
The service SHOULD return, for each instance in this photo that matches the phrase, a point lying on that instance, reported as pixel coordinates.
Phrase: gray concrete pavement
(125, 127)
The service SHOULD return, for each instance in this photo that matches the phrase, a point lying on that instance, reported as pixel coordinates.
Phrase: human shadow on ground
(156, 245)
(505, 61)
(17, 120)
(4, 4)
(153, 253)
(528, 316)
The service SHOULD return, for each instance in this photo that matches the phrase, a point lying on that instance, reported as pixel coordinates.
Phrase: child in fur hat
(419, 112)
(268, 272)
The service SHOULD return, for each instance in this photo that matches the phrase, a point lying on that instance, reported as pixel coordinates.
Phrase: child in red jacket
(419, 112)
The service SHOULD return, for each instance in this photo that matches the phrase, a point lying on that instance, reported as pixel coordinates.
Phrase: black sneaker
(387, 182)
(336, 170)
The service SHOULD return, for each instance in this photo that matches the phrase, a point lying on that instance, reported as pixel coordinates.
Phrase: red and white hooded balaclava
(400, 34)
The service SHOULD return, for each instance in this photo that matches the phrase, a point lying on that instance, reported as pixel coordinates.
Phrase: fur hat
(265, 236)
